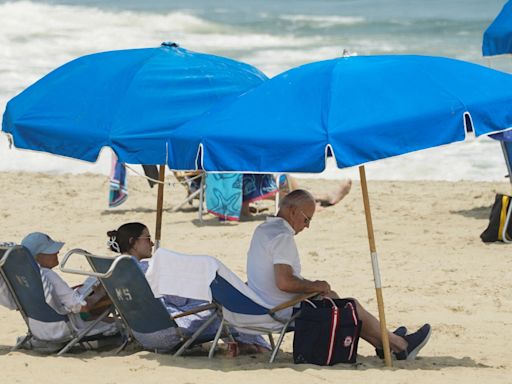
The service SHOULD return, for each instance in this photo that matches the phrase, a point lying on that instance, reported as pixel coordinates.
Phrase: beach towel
(225, 192)
(224, 195)
(174, 273)
(258, 186)
(186, 277)
(118, 183)
(151, 171)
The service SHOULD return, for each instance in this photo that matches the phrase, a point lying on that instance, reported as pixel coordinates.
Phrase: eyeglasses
(144, 237)
(307, 220)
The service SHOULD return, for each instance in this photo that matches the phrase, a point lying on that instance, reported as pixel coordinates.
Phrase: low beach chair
(146, 319)
(243, 310)
(206, 278)
(23, 278)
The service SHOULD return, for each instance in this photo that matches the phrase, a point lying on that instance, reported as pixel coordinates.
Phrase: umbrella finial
(345, 53)
(170, 44)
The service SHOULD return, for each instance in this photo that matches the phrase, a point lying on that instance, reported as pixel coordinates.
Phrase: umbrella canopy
(359, 108)
(129, 100)
(498, 36)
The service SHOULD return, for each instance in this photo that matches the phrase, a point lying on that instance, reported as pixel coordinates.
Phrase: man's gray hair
(296, 198)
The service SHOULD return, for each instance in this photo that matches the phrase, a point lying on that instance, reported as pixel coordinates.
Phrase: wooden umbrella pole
(375, 267)
(159, 207)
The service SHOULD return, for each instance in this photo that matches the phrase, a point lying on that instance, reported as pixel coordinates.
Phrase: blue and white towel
(118, 183)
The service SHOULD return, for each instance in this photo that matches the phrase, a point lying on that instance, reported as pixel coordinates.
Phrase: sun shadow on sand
(5, 349)
(479, 213)
(285, 360)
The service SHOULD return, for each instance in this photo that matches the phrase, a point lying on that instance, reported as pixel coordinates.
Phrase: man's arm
(288, 282)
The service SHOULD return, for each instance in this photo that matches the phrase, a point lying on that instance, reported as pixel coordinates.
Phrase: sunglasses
(307, 220)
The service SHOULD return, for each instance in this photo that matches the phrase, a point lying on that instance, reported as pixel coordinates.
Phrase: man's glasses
(307, 220)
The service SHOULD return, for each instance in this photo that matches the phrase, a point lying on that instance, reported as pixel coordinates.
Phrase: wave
(324, 21)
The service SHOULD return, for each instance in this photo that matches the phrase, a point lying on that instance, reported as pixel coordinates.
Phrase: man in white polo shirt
(274, 272)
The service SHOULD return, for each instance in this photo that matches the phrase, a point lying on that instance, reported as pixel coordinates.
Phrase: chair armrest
(81, 252)
(292, 302)
(196, 310)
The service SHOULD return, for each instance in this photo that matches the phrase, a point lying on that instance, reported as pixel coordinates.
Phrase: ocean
(38, 36)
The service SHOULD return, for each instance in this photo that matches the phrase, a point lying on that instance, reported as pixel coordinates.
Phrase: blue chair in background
(506, 146)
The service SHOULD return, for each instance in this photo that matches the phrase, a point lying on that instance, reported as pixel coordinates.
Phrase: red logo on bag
(348, 340)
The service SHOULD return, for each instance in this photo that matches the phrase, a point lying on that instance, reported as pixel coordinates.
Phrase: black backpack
(501, 210)
(326, 332)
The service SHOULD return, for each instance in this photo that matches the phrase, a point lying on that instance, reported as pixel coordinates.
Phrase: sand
(434, 269)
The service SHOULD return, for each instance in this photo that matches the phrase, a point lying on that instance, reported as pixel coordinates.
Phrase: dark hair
(125, 236)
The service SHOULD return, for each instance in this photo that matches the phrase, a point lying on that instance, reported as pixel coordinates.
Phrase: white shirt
(66, 296)
(272, 243)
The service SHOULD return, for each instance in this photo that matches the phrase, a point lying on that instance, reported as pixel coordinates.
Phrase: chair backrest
(23, 276)
(231, 298)
(128, 289)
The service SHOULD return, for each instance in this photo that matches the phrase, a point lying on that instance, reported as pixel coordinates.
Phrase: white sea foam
(322, 21)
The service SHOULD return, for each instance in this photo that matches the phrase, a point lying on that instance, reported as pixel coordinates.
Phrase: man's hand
(321, 286)
(286, 281)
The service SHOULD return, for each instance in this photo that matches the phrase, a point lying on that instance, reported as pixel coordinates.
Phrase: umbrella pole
(375, 266)
(159, 207)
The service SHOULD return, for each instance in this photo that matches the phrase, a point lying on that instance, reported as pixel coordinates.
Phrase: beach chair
(506, 146)
(205, 277)
(188, 179)
(245, 312)
(146, 319)
(23, 279)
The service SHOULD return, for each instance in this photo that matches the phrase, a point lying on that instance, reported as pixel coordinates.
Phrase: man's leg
(370, 330)
(334, 197)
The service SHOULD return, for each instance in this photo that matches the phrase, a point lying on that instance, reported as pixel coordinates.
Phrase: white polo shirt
(272, 243)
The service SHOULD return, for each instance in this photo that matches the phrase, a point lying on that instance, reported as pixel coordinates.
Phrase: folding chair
(207, 278)
(186, 179)
(145, 317)
(506, 146)
(244, 311)
(23, 279)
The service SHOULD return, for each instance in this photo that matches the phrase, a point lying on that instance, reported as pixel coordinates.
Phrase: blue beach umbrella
(128, 100)
(498, 36)
(359, 109)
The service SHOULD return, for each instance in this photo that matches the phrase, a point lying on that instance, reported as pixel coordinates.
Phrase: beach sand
(434, 269)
